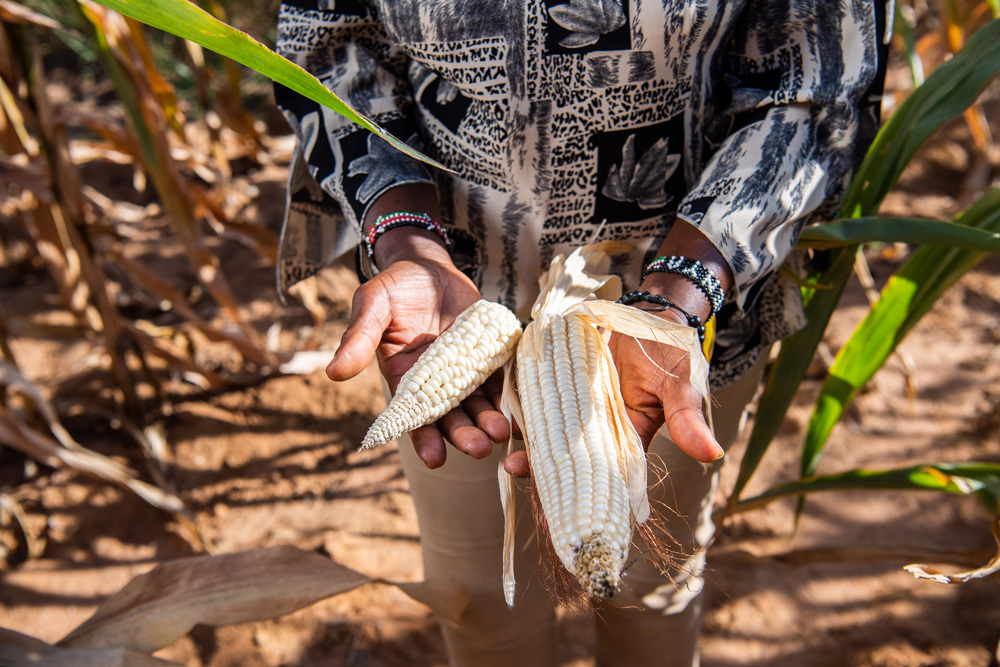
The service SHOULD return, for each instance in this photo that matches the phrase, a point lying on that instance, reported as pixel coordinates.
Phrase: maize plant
(73, 225)
(950, 27)
(950, 250)
(77, 233)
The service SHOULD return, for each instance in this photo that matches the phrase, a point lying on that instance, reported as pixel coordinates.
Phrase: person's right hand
(396, 315)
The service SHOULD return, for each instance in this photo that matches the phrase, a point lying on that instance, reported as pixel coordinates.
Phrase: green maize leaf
(190, 22)
(790, 367)
(902, 27)
(946, 93)
(912, 231)
(908, 295)
(952, 88)
(980, 478)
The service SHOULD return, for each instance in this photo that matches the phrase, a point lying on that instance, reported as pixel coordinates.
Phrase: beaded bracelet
(694, 271)
(384, 223)
(657, 300)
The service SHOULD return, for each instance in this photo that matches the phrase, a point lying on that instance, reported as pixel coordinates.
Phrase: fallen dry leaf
(157, 608)
(17, 650)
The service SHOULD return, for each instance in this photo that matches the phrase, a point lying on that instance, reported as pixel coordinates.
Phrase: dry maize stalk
(586, 457)
(480, 340)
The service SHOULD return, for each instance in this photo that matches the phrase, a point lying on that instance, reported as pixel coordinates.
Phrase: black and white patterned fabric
(561, 118)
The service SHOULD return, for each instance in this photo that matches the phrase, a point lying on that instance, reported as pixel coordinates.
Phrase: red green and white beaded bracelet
(384, 223)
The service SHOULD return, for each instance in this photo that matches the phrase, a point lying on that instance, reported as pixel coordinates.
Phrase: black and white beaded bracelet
(696, 272)
(648, 297)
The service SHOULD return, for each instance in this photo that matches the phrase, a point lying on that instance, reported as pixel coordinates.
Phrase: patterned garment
(570, 122)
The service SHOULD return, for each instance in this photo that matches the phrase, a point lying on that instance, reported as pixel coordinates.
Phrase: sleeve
(338, 168)
(801, 72)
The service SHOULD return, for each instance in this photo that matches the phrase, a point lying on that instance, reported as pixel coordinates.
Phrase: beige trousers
(653, 620)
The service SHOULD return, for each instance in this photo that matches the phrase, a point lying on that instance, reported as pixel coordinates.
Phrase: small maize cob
(481, 339)
(579, 467)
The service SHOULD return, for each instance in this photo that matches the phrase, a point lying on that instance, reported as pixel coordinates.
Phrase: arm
(418, 291)
(802, 70)
(800, 73)
(415, 296)
(340, 169)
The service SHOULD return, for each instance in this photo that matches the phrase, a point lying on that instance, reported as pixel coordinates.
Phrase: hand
(396, 315)
(656, 390)
(653, 377)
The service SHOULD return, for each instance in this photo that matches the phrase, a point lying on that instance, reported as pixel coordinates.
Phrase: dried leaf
(242, 338)
(192, 372)
(15, 433)
(33, 540)
(257, 237)
(157, 608)
(14, 12)
(17, 650)
(31, 177)
(934, 574)
(11, 377)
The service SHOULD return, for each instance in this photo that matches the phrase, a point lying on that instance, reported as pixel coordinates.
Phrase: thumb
(369, 319)
(691, 434)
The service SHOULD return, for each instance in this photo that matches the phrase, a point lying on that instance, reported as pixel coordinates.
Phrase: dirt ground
(275, 463)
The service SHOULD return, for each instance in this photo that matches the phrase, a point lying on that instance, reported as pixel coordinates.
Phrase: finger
(460, 431)
(647, 421)
(490, 420)
(370, 315)
(429, 446)
(691, 434)
(493, 388)
(517, 464)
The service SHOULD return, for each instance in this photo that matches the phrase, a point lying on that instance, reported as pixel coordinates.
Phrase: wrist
(405, 242)
(698, 280)
(664, 308)
(409, 243)
(679, 290)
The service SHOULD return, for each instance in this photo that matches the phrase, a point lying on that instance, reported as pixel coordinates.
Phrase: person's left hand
(656, 391)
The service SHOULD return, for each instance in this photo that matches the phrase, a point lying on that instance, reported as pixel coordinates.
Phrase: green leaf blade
(912, 231)
(976, 477)
(946, 93)
(186, 20)
(909, 294)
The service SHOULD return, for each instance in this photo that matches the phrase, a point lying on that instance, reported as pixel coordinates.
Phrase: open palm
(395, 316)
(656, 390)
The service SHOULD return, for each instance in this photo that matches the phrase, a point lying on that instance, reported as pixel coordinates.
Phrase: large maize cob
(481, 339)
(585, 456)
(578, 466)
